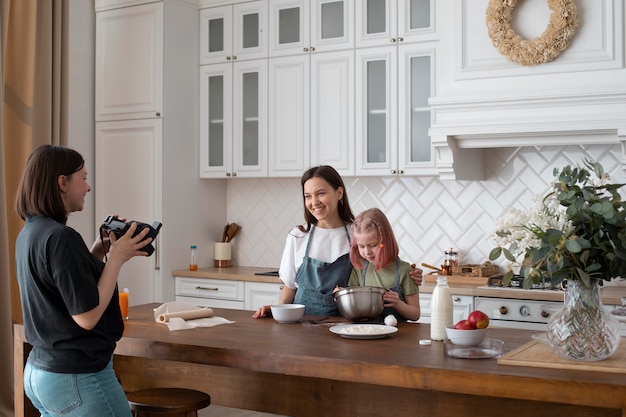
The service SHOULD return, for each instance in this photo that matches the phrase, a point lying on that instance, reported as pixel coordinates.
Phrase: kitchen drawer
(211, 302)
(210, 288)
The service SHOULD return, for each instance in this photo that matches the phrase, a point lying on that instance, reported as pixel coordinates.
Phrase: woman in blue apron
(316, 256)
(374, 255)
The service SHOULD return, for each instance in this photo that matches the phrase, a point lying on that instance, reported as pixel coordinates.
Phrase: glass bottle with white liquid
(440, 309)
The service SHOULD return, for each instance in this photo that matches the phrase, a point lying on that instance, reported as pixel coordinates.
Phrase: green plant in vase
(575, 235)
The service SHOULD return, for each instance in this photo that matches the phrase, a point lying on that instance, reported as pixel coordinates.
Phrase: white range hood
(463, 128)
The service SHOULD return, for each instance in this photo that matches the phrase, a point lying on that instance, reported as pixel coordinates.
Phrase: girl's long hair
(374, 221)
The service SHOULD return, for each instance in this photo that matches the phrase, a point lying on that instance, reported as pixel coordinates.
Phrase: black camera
(118, 227)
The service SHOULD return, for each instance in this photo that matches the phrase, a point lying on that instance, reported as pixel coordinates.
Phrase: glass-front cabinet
(392, 114)
(303, 26)
(381, 22)
(237, 32)
(233, 119)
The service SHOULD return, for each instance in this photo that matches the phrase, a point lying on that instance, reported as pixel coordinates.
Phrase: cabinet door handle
(207, 288)
(400, 171)
(456, 299)
(312, 49)
(305, 49)
(158, 114)
(393, 171)
(392, 40)
(228, 58)
(400, 39)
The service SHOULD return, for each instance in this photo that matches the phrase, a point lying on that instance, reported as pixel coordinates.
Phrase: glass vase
(582, 329)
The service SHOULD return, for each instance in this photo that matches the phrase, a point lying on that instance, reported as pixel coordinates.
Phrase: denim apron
(316, 281)
(397, 288)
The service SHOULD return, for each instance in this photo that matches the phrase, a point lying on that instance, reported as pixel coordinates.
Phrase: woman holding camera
(69, 295)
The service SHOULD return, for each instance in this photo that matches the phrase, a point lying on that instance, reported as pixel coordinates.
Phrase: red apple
(478, 319)
(464, 325)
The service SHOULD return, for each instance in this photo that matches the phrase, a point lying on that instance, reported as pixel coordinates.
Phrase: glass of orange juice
(124, 303)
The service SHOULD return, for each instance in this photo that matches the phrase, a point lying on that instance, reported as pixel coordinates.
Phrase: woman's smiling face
(321, 199)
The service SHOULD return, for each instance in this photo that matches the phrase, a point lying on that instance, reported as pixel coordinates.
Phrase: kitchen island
(304, 370)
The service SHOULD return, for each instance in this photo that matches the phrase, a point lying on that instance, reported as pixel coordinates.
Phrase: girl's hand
(391, 298)
(265, 311)
(417, 274)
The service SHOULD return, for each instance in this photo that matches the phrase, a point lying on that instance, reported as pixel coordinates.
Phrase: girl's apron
(316, 281)
(397, 288)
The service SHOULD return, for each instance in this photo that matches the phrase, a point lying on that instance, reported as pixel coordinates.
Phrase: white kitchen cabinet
(233, 119)
(462, 305)
(289, 120)
(233, 294)
(332, 111)
(129, 53)
(384, 22)
(144, 167)
(302, 26)
(210, 292)
(393, 85)
(233, 33)
(131, 186)
(258, 294)
(311, 113)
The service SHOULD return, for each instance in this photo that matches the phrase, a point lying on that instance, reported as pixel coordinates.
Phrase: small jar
(193, 265)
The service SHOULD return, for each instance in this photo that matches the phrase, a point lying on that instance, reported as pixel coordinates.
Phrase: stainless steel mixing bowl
(360, 303)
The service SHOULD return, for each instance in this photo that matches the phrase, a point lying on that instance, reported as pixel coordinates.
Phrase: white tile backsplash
(428, 215)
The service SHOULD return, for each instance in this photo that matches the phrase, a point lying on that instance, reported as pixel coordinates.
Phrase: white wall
(81, 104)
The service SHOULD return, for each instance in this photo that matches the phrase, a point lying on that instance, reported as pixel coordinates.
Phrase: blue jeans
(76, 395)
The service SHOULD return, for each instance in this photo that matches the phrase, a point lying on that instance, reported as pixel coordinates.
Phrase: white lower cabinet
(258, 294)
(462, 306)
(240, 295)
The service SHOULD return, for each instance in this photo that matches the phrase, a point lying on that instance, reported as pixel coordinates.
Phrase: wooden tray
(539, 355)
(458, 279)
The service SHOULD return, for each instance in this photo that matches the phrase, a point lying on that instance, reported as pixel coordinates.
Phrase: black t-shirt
(58, 278)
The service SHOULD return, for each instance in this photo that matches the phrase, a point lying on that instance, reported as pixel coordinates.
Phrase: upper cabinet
(129, 70)
(393, 86)
(233, 119)
(384, 22)
(303, 26)
(237, 32)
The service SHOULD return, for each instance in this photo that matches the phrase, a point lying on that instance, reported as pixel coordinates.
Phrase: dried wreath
(553, 41)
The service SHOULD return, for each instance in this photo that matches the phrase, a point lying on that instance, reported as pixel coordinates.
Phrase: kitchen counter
(304, 370)
(237, 273)
(611, 295)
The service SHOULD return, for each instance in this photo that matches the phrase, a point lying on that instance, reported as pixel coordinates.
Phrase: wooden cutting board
(540, 355)
(458, 279)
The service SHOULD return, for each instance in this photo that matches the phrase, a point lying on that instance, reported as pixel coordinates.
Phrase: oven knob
(524, 311)
(503, 310)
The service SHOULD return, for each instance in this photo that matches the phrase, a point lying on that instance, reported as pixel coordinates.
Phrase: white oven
(516, 313)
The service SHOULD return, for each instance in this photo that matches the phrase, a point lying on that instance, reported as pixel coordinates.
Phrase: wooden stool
(167, 402)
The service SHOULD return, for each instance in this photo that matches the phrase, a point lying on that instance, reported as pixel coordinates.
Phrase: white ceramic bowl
(287, 313)
(465, 337)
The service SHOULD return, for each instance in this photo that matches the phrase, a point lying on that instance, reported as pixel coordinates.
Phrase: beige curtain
(34, 112)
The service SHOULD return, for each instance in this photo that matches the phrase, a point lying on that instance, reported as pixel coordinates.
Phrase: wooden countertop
(611, 295)
(283, 361)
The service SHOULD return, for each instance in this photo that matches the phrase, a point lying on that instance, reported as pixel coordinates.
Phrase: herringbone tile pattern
(428, 215)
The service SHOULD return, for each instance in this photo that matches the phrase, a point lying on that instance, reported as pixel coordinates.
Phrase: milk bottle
(441, 309)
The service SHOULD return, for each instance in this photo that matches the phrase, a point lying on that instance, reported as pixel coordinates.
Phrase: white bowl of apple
(470, 331)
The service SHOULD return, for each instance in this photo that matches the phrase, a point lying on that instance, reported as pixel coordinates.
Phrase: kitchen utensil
(360, 303)
(225, 233)
(430, 266)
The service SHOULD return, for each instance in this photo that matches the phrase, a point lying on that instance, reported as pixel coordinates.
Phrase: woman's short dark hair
(38, 193)
(331, 176)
